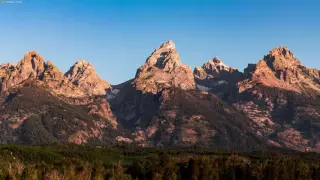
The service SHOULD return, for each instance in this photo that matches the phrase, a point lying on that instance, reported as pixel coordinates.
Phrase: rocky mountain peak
(80, 71)
(7, 66)
(84, 75)
(5, 70)
(215, 65)
(216, 59)
(164, 57)
(217, 77)
(164, 69)
(199, 72)
(81, 80)
(31, 66)
(281, 58)
(282, 50)
(167, 45)
(281, 69)
(83, 64)
(214, 68)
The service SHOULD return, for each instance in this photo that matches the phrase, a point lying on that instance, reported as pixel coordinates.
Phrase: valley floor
(126, 162)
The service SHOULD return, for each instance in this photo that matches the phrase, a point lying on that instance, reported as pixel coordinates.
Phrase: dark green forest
(125, 162)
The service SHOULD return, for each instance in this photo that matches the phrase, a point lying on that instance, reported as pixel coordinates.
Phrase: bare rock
(164, 69)
(83, 75)
(30, 67)
(217, 77)
(281, 69)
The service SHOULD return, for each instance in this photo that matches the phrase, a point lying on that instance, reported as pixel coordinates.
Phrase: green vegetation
(127, 162)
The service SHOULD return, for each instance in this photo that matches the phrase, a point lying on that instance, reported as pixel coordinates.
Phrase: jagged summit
(167, 45)
(78, 68)
(216, 59)
(281, 50)
(216, 77)
(281, 58)
(164, 57)
(215, 65)
(32, 58)
(80, 80)
(32, 53)
(7, 65)
(32, 65)
(84, 75)
(83, 63)
(281, 69)
(213, 68)
(164, 69)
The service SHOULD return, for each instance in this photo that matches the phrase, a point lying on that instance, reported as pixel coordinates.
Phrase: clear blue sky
(117, 36)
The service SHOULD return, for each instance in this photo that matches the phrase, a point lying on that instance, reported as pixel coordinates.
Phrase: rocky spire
(164, 69)
(280, 58)
(216, 77)
(5, 68)
(281, 69)
(81, 80)
(83, 75)
(215, 67)
(31, 66)
(164, 57)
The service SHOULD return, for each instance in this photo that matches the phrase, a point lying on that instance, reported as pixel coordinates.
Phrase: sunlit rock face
(30, 67)
(281, 69)
(83, 75)
(80, 81)
(282, 97)
(164, 69)
(216, 77)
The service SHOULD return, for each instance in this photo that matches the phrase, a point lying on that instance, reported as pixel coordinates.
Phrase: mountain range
(272, 104)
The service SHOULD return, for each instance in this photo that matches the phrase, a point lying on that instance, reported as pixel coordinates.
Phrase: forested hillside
(129, 162)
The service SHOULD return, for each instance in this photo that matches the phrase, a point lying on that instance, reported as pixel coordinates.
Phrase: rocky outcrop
(281, 69)
(163, 69)
(281, 95)
(81, 80)
(83, 75)
(54, 79)
(216, 77)
(136, 101)
(214, 68)
(30, 67)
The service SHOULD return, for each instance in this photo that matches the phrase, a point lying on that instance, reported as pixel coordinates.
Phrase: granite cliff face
(164, 69)
(282, 70)
(80, 81)
(216, 77)
(83, 75)
(282, 96)
(31, 66)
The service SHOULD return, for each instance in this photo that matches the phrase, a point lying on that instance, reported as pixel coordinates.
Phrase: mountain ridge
(273, 102)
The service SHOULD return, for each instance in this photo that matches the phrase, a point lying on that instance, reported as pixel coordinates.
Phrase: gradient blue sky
(117, 36)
